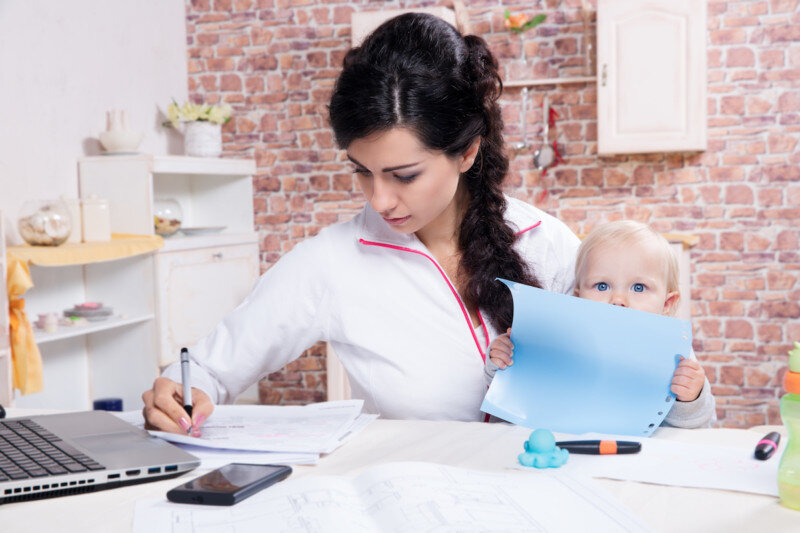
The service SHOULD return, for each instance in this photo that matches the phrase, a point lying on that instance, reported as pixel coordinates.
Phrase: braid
(485, 240)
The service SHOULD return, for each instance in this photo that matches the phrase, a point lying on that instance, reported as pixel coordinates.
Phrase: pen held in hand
(187, 387)
(600, 447)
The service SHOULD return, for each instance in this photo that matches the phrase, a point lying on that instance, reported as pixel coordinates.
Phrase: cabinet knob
(604, 75)
(217, 255)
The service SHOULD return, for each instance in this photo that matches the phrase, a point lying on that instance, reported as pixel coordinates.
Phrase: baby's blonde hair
(628, 232)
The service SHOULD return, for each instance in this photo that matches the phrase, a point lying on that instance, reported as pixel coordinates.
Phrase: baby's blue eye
(602, 286)
(638, 287)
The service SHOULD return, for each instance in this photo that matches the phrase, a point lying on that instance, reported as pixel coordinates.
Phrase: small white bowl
(121, 140)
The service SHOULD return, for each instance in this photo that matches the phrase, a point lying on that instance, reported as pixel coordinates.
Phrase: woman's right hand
(163, 408)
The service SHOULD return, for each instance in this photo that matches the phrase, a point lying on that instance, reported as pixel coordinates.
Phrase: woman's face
(411, 187)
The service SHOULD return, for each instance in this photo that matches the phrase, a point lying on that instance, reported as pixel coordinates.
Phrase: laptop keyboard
(27, 450)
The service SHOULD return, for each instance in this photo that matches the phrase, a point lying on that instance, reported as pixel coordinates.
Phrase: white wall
(63, 63)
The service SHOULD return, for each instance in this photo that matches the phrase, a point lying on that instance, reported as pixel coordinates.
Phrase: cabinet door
(651, 94)
(196, 288)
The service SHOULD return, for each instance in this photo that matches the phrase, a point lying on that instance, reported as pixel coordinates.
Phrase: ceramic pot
(202, 139)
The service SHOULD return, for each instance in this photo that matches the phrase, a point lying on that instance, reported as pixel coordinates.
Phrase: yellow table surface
(121, 245)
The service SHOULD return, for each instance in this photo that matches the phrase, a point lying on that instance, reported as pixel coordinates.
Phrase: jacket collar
(375, 229)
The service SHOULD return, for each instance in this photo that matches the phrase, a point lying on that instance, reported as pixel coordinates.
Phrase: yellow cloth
(121, 245)
(25, 357)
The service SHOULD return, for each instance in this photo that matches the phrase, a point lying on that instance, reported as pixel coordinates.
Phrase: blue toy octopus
(541, 451)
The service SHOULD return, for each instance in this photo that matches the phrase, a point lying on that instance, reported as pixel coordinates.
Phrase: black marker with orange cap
(600, 447)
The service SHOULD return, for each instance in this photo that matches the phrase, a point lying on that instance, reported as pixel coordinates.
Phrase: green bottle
(789, 467)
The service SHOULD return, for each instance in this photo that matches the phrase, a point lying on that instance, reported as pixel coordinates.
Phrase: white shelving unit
(162, 300)
(198, 278)
(115, 357)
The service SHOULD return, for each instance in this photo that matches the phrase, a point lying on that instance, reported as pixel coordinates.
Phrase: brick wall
(276, 60)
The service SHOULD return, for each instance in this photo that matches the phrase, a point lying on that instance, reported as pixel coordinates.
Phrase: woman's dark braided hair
(417, 72)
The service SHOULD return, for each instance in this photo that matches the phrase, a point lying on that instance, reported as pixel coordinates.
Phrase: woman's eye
(602, 286)
(361, 171)
(405, 179)
(638, 287)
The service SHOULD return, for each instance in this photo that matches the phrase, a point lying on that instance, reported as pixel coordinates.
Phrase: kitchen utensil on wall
(523, 144)
(545, 156)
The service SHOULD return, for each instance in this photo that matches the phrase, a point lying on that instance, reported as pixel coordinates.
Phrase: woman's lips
(396, 221)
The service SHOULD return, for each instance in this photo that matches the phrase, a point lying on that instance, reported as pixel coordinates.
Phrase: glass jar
(167, 216)
(44, 222)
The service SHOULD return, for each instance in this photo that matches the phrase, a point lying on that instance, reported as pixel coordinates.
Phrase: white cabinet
(651, 57)
(201, 276)
(197, 288)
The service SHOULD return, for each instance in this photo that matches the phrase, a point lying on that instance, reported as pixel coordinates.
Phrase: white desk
(467, 445)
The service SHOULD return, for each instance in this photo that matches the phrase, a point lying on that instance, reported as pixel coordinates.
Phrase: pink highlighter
(767, 446)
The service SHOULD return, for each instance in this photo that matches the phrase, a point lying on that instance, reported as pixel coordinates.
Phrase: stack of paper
(399, 497)
(273, 434)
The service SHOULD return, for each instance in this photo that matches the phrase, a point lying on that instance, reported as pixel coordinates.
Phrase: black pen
(187, 387)
(600, 447)
(767, 445)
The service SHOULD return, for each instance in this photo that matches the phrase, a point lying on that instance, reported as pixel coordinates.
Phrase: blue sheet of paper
(583, 366)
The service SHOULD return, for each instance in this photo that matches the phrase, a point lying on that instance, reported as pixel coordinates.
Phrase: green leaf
(535, 21)
(507, 13)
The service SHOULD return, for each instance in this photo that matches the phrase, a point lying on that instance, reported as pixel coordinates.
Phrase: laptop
(70, 453)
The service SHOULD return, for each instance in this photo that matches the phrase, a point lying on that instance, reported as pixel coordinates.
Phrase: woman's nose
(383, 199)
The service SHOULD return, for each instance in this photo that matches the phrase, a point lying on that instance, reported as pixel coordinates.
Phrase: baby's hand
(501, 351)
(688, 380)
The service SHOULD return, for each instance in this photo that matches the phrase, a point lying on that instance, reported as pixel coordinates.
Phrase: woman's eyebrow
(389, 169)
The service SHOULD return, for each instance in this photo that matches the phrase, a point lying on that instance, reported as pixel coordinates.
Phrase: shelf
(66, 332)
(687, 241)
(67, 254)
(174, 164)
(549, 81)
(181, 242)
(165, 164)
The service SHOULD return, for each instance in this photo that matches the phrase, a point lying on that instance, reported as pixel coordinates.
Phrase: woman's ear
(671, 303)
(468, 159)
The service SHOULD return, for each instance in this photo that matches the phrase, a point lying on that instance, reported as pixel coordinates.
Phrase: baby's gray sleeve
(489, 370)
(700, 413)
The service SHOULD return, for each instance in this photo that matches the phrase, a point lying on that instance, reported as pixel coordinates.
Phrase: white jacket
(391, 314)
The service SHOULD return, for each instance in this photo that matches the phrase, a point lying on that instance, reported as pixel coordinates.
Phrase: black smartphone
(229, 484)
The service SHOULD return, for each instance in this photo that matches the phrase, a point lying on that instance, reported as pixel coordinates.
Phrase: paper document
(216, 457)
(668, 462)
(583, 366)
(315, 428)
(405, 497)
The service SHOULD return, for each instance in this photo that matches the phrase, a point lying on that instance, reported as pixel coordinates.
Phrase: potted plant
(202, 126)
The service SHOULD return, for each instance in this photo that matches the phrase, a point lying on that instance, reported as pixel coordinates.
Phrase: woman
(405, 291)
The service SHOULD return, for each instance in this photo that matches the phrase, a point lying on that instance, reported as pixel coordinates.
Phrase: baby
(626, 263)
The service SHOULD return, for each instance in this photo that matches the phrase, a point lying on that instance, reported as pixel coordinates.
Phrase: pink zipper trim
(485, 331)
(527, 229)
(452, 289)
